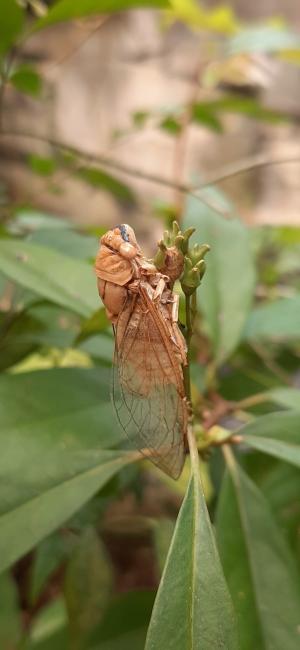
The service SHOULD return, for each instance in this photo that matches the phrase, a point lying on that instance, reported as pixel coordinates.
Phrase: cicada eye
(123, 229)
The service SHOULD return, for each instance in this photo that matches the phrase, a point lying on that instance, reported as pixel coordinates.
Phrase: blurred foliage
(86, 533)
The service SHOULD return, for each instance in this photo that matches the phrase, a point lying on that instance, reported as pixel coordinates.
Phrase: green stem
(188, 335)
(252, 400)
(194, 454)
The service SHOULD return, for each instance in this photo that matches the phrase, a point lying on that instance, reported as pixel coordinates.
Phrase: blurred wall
(100, 71)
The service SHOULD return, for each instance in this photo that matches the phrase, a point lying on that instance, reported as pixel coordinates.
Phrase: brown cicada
(148, 389)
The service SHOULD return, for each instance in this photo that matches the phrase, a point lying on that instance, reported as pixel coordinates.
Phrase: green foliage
(85, 531)
(224, 303)
(99, 178)
(68, 10)
(27, 80)
(49, 274)
(10, 616)
(191, 566)
(87, 586)
(258, 566)
(11, 23)
(277, 320)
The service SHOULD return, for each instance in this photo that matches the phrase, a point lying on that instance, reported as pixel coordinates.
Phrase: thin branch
(246, 165)
(110, 163)
(240, 167)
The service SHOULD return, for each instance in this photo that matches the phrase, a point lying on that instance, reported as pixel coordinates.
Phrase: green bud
(186, 236)
(176, 229)
(192, 275)
(179, 239)
(166, 238)
(198, 252)
(160, 256)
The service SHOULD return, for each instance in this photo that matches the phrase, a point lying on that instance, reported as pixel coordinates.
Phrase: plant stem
(252, 400)
(194, 454)
(188, 335)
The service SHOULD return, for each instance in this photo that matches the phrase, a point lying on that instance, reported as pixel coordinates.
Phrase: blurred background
(141, 112)
(137, 87)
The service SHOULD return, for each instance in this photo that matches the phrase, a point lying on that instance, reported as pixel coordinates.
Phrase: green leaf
(278, 320)
(11, 23)
(54, 276)
(171, 125)
(192, 590)
(87, 586)
(18, 337)
(220, 19)
(41, 166)
(277, 434)
(10, 615)
(206, 117)
(49, 555)
(288, 397)
(27, 220)
(226, 293)
(101, 179)
(66, 241)
(235, 104)
(281, 488)
(258, 566)
(93, 325)
(55, 432)
(68, 10)
(49, 628)
(162, 535)
(27, 80)
(101, 347)
(125, 623)
(262, 39)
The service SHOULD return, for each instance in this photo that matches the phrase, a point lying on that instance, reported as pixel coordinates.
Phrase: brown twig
(240, 167)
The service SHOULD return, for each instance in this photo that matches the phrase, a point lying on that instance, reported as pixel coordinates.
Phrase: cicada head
(123, 240)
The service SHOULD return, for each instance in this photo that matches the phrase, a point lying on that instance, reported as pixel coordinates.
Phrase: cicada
(147, 387)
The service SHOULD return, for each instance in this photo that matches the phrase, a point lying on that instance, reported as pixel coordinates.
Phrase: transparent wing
(147, 390)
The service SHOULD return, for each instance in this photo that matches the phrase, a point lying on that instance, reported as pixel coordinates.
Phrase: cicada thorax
(114, 269)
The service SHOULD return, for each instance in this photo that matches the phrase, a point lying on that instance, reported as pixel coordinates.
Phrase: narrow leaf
(11, 23)
(104, 181)
(87, 586)
(27, 80)
(69, 10)
(10, 614)
(41, 165)
(278, 320)
(59, 278)
(226, 293)
(192, 591)
(277, 434)
(55, 432)
(66, 241)
(288, 397)
(258, 566)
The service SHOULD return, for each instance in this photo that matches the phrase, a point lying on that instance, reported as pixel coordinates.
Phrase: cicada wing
(147, 397)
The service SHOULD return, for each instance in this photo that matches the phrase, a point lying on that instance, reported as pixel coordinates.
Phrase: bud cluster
(190, 264)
